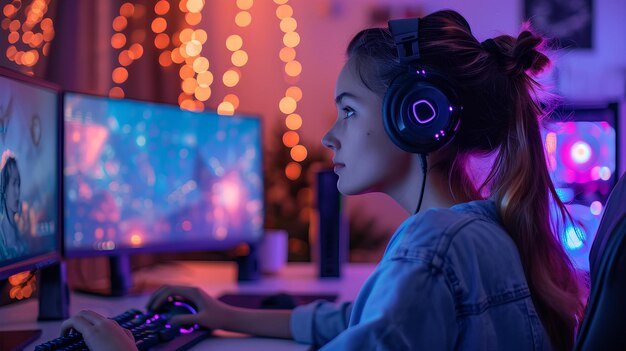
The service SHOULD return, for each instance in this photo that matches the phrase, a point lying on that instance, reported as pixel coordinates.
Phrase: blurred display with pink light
(581, 150)
(146, 176)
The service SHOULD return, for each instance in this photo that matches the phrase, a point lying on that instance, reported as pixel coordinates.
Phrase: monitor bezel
(50, 258)
(189, 246)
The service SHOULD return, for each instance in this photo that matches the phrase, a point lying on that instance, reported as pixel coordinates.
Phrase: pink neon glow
(416, 115)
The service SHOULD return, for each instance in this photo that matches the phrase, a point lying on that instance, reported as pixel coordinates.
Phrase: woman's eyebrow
(344, 94)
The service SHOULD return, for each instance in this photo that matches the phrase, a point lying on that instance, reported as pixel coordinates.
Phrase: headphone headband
(405, 35)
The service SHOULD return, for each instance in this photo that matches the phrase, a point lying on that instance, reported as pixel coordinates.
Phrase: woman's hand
(211, 312)
(100, 333)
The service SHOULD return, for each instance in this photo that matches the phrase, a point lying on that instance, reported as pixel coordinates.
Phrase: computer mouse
(279, 301)
(175, 306)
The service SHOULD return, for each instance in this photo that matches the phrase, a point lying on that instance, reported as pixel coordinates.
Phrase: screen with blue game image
(28, 170)
(581, 154)
(147, 176)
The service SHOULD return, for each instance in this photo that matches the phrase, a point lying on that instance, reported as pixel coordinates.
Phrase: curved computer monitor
(581, 143)
(29, 173)
(143, 176)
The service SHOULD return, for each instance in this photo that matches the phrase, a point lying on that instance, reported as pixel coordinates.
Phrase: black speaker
(248, 265)
(54, 296)
(332, 234)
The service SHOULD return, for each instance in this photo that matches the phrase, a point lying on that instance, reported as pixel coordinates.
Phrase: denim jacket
(449, 279)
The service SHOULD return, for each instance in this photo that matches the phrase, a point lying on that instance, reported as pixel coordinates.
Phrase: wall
(326, 26)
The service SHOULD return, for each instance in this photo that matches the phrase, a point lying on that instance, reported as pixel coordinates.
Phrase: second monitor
(142, 176)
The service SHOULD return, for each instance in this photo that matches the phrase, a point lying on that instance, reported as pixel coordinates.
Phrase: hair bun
(520, 56)
(526, 55)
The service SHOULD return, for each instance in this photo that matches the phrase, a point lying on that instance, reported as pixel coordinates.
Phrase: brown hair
(501, 117)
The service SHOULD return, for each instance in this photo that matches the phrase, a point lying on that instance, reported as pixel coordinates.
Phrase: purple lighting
(421, 103)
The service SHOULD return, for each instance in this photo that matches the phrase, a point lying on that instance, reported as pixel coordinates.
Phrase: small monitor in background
(29, 195)
(30, 199)
(581, 149)
(143, 176)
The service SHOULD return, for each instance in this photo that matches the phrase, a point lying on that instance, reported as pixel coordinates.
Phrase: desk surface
(215, 278)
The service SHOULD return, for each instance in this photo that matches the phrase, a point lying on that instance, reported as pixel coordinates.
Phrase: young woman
(11, 244)
(479, 265)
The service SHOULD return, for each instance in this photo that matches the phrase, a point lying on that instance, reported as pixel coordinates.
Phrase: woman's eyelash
(349, 112)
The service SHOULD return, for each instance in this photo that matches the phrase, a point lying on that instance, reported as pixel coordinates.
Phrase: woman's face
(365, 159)
(13, 190)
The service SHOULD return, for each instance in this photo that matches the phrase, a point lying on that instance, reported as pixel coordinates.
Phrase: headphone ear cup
(420, 113)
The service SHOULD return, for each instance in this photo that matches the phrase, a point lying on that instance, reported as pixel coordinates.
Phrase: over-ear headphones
(421, 110)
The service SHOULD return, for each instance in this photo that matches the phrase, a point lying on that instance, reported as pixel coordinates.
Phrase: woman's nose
(329, 140)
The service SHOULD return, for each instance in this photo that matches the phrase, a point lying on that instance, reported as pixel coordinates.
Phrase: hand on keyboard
(131, 330)
(99, 333)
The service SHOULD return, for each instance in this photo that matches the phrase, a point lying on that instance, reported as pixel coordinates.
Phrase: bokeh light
(239, 58)
(291, 39)
(284, 11)
(192, 18)
(226, 108)
(233, 99)
(162, 7)
(287, 105)
(298, 153)
(116, 92)
(120, 74)
(199, 35)
(287, 54)
(205, 79)
(119, 23)
(159, 25)
(202, 93)
(161, 41)
(596, 208)
(288, 24)
(230, 78)
(293, 68)
(293, 170)
(244, 4)
(118, 40)
(294, 92)
(200, 64)
(243, 19)
(291, 138)
(195, 6)
(234, 42)
(293, 121)
(127, 9)
(165, 58)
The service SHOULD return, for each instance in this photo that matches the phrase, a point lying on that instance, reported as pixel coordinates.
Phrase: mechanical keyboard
(151, 332)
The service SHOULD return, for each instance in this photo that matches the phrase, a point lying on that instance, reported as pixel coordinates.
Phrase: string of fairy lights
(293, 94)
(238, 58)
(196, 79)
(130, 48)
(30, 32)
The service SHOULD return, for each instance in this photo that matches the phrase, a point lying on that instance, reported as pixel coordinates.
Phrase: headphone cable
(424, 171)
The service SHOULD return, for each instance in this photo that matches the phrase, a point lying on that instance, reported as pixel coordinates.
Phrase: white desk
(215, 278)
